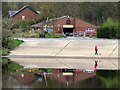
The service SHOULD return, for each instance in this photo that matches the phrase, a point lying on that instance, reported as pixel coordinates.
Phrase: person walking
(96, 50)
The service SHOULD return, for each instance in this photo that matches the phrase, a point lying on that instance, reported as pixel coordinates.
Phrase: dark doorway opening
(68, 31)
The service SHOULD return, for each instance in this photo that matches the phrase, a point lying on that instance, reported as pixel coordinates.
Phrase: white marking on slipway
(59, 52)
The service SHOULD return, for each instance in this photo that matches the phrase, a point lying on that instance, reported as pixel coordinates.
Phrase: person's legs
(96, 53)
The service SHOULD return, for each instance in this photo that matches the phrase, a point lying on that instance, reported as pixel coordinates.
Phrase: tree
(109, 29)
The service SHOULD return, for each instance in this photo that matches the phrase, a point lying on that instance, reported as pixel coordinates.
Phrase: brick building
(68, 26)
(24, 13)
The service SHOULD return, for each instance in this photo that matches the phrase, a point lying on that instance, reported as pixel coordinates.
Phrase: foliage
(53, 35)
(10, 65)
(5, 51)
(108, 29)
(13, 27)
(29, 34)
(6, 34)
(38, 34)
(10, 28)
(92, 12)
(8, 23)
(14, 66)
(10, 44)
(110, 78)
(24, 25)
(49, 70)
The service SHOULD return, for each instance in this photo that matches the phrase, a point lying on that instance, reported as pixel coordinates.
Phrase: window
(89, 29)
(23, 17)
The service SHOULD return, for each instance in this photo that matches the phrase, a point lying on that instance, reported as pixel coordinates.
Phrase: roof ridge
(17, 11)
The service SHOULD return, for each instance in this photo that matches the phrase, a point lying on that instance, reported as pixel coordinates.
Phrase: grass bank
(38, 34)
(11, 44)
(53, 35)
(10, 65)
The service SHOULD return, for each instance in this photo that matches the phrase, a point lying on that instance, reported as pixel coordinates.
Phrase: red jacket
(96, 49)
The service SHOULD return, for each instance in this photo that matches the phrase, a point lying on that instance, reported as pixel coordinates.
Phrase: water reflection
(68, 76)
(59, 78)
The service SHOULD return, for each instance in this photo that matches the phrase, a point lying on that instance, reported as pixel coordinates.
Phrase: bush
(10, 65)
(109, 29)
(53, 35)
(10, 44)
(24, 24)
(5, 51)
(14, 66)
(34, 35)
(30, 35)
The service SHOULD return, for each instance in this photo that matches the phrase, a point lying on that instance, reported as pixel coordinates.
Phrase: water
(60, 78)
(78, 79)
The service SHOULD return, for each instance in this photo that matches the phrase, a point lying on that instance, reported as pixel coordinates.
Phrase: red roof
(13, 13)
(81, 23)
(62, 21)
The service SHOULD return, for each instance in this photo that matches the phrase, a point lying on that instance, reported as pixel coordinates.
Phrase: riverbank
(8, 65)
(11, 45)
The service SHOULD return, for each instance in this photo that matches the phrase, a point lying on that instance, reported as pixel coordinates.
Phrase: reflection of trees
(93, 82)
(109, 78)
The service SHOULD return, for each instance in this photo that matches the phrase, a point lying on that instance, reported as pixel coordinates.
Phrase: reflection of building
(68, 26)
(68, 77)
(26, 78)
(24, 13)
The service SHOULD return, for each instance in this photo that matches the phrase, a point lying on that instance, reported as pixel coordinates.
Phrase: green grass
(53, 35)
(50, 70)
(12, 44)
(5, 51)
(0, 51)
(30, 35)
(12, 66)
(37, 34)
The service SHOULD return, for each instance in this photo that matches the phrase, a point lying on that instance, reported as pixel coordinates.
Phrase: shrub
(109, 29)
(5, 51)
(53, 35)
(24, 24)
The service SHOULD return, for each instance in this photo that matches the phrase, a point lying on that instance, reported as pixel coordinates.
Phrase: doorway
(68, 31)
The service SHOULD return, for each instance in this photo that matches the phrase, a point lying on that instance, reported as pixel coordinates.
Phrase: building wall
(28, 13)
(80, 30)
(58, 30)
(61, 22)
(79, 26)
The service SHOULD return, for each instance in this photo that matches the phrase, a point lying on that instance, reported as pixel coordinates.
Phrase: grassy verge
(10, 65)
(12, 44)
(52, 35)
(30, 35)
(5, 51)
(14, 66)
